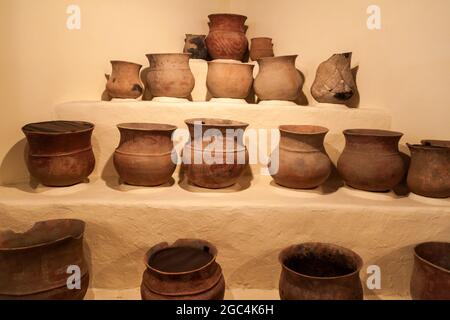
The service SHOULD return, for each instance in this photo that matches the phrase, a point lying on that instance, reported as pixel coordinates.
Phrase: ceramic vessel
(226, 38)
(318, 271)
(229, 80)
(278, 79)
(301, 157)
(261, 48)
(195, 45)
(186, 270)
(145, 156)
(124, 81)
(34, 264)
(216, 156)
(60, 152)
(431, 275)
(371, 160)
(170, 75)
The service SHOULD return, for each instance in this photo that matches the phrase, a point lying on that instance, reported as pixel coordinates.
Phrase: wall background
(404, 67)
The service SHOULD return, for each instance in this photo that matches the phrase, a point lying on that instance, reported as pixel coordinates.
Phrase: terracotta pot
(278, 79)
(60, 152)
(319, 271)
(431, 276)
(195, 45)
(371, 160)
(124, 81)
(34, 265)
(229, 80)
(214, 159)
(144, 155)
(170, 75)
(261, 48)
(227, 39)
(302, 160)
(186, 270)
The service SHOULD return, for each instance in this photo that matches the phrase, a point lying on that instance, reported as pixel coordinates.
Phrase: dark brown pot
(195, 45)
(34, 264)
(60, 152)
(319, 271)
(124, 81)
(145, 154)
(371, 160)
(229, 80)
(227, 39)
(212, 159)
(302, 160)
(431, 276)
(186, 270)
(261, 48)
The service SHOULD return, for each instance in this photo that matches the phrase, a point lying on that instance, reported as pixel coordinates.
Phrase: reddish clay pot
(124, 81)
(60, 152)
(431, 276)
(186, 270)
(302, 160)
(319, 271)
(34, 265)
(371, 160)
(261, 48)
(227, 39)
(145, 154)
(229, 80)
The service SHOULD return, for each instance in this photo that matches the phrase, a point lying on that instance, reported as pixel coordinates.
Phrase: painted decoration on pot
(261, 48)
(124, 81)
(195, 45)
(229, 80)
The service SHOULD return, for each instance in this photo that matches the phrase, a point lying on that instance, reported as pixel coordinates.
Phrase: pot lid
(58, 127)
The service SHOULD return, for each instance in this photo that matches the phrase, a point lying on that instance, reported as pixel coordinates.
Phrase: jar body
(124, 81)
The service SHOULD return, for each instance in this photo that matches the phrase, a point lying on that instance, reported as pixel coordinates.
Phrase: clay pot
(371, 160)
(195, 45)
(261, 48)
(229, 80)
(144, 155)
(431, 276)
(186, 270)
(124, 81)
(226, 38)
(60, 152)
(213, 159)
(319, 271)
(278, 79)
(302, 160)
(170, 75)
(34, 265)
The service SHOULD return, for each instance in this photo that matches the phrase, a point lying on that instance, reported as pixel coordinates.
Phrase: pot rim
(429, 262)
(372, 133)
(426, 147)
(277, 57)
(347, 54)
(195, 35)
(265, 38)
(216, 122)
(147, 127)
(226, 15)
(436, 143)
(359, 262)
(168, 54)
(292, 129)
(232, 62)
(126, 62)
(90, 125)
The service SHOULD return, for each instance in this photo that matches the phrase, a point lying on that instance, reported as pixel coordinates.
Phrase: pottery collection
(195, 45)
(124, 81)
(229, 80)
(261, 48)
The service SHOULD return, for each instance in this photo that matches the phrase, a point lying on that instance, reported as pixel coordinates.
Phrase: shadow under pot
(216, 156)
(60, 152)
(229, 80)
(145, 156)
(301, 162)
(261, 48)
(319, 271)
(185, 270)
(371, 160)
(195, 45)
(124, 81)
(34, 265)
(431, 274)
(170, 75)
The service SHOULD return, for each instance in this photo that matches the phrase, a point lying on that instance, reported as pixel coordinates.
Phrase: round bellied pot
(278, 79)
(185, 270)
(229, 80)
(60, 152)
(216, 156)
(320, 271)
(371, 160)
(226, 38)
(38, 264)
(301, 162)
(124, 81)
(170, 75)
(195, 45)
(145, 156)
(261, 48)
(431, 274)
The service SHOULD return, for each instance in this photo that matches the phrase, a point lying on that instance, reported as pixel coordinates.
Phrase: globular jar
(195, 45)
(60, 152)
(124, 81)
(261, 48)
(229, 80)
(371, 160)
(301, 162)
(145, 156)
(185, 270)
(34, 265)
(334, 81)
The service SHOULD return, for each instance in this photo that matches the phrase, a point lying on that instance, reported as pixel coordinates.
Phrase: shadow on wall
(355, 100)
(302, 100)
(13, 167)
